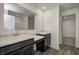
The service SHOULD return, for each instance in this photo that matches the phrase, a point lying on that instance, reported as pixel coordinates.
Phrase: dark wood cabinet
(20, 48)
(46, 42)
(18, 52)
(27, 47)
(40, 45)
(28, 50)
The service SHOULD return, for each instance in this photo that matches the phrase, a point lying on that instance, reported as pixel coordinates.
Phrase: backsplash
(18, 32)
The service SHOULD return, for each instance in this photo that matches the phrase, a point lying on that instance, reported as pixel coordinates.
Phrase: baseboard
(55, 49)
(69, 37)
(67, 45)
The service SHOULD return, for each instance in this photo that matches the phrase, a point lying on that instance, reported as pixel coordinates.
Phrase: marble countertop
(37, 37)
(43, 33)
(15, 39)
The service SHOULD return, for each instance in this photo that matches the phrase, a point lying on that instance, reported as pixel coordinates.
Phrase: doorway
(69, 30)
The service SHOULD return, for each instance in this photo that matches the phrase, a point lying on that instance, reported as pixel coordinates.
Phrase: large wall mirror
(18, 18)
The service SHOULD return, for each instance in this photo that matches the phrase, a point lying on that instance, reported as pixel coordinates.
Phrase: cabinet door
(18, 52)
(28, 50)
(47, 41)
(40, 46)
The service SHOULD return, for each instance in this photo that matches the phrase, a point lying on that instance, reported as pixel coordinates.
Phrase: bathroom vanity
(24, 44)
(46, 42)
(21, 45)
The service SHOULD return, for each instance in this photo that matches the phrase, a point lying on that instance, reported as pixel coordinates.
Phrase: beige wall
(60, 30)
(1, 17)
(51, 24)
(77, 28)
(39, 21)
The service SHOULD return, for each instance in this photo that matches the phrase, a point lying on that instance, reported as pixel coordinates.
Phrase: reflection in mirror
(20, 23)
(17, 18)
(31, 22)
(9, 23)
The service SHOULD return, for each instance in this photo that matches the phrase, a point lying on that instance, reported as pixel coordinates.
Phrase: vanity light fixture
(43, 8)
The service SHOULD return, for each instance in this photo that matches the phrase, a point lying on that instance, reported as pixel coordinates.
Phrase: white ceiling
(63, 6)
(20, 11)
(41, 5)
(67, 6)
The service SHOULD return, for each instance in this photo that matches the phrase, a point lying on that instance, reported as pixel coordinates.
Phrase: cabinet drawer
(18, 52)
(28, 50)
(27, 42)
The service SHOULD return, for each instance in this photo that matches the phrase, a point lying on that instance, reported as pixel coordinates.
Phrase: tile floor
(64, 50)
(69, 41)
